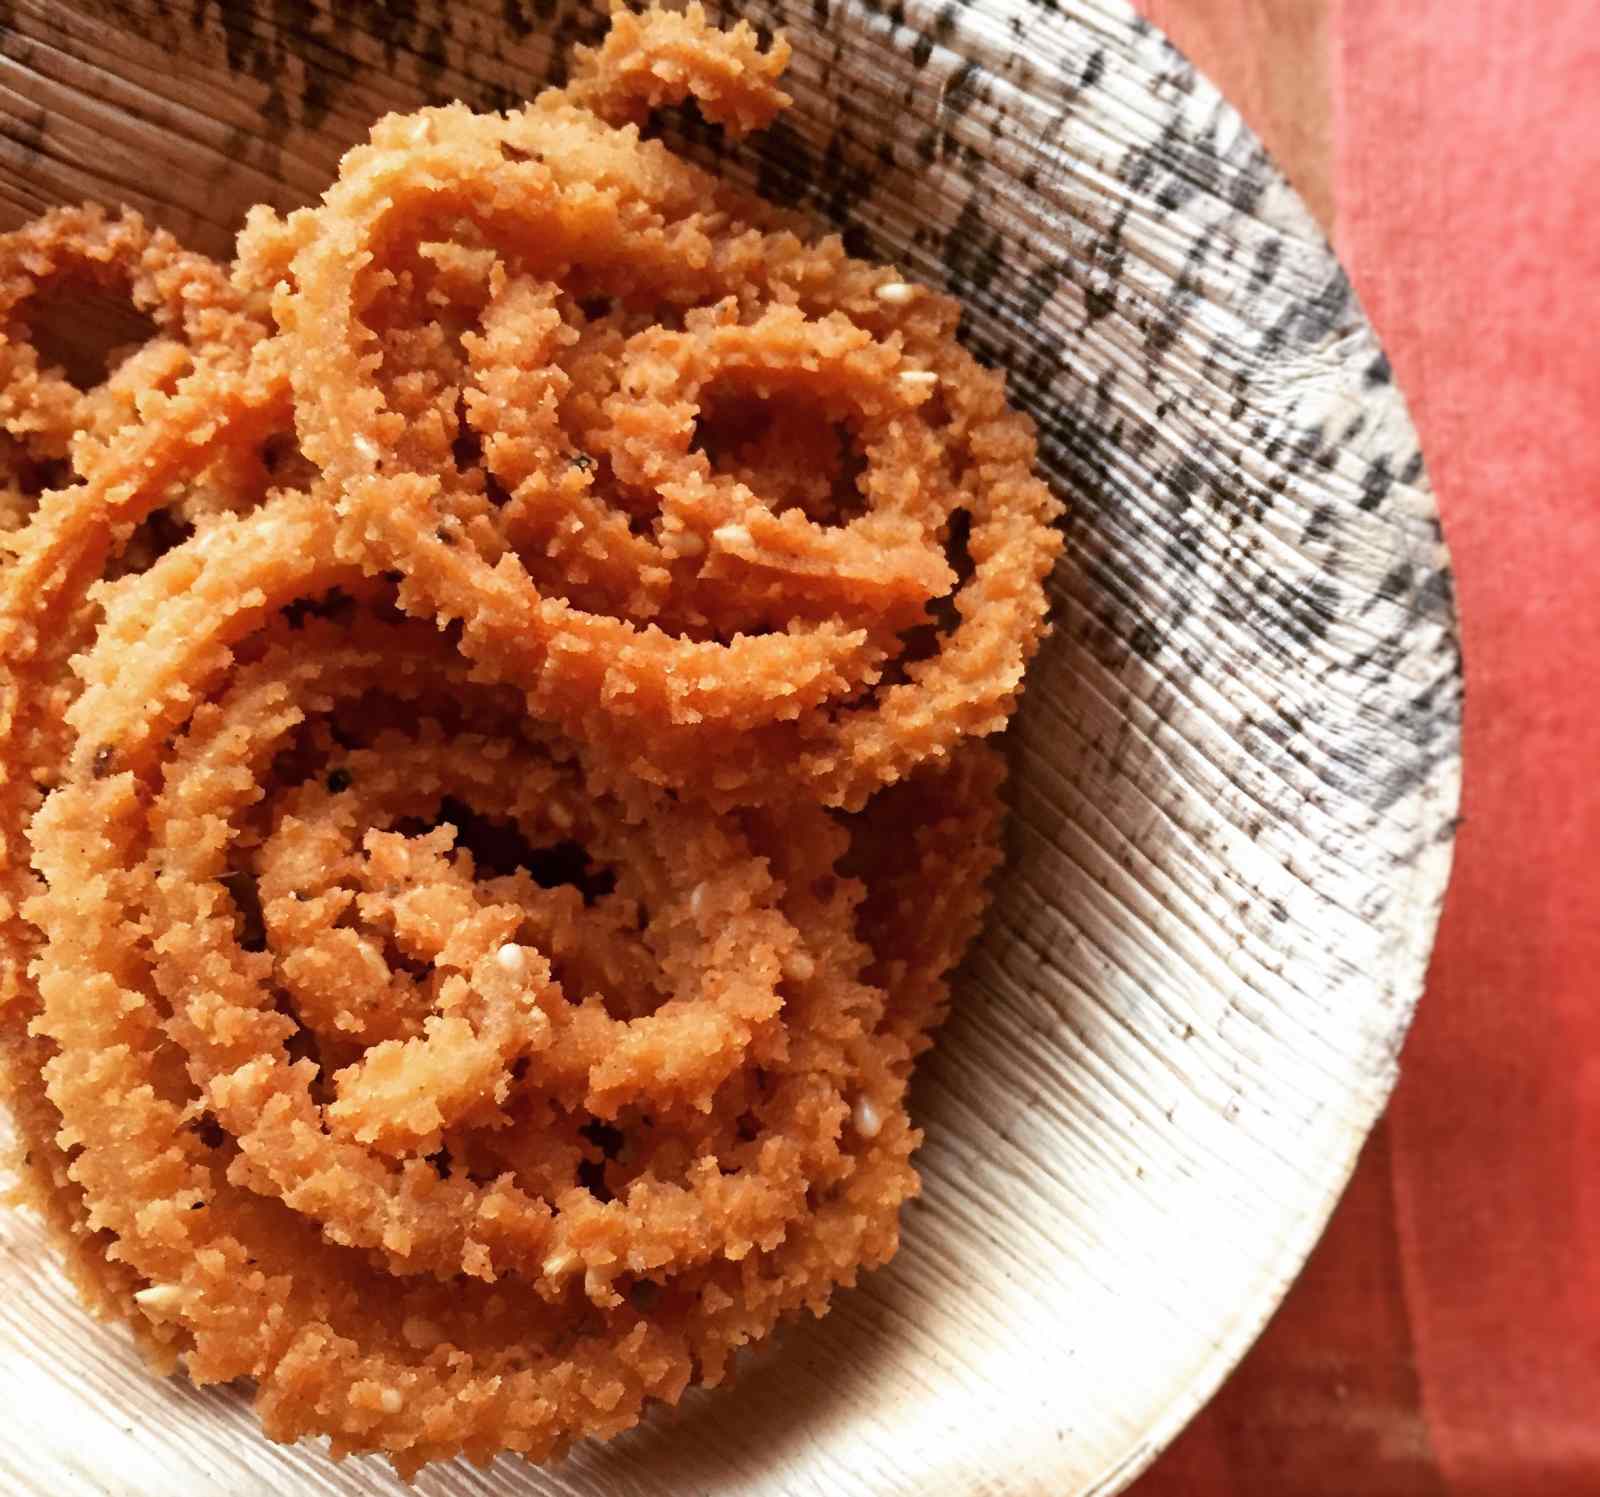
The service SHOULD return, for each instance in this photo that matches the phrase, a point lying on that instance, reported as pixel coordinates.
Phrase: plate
(1235, 774)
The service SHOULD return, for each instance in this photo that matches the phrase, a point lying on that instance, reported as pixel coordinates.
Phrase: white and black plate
(1236, 769)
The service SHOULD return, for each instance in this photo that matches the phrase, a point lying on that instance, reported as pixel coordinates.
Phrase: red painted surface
(1446, 1336)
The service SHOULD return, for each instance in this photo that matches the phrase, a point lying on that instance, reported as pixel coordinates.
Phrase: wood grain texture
(1236, 769)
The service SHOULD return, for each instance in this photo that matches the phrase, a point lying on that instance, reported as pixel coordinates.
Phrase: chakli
(492, 727)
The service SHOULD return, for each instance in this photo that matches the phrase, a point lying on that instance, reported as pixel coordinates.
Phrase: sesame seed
(895, 293)
(390, 1401)
(509, 958)
(161, 1297)
(922, 378)
(867, 1119)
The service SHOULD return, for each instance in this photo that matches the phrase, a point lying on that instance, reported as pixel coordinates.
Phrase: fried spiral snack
(562, 299)
(735, 1196)
(48, 426)
(492, 779)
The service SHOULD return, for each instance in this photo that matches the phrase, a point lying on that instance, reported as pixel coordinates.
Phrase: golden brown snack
(46, 419)
(723, 1106)
(661, 57)
(924, 851)
(52, 601)
(572, 302)
(432, 984)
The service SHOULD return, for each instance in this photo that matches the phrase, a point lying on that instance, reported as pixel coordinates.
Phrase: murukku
(619, 289)
(193, 309)
(492, 786)
(748, 1067)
